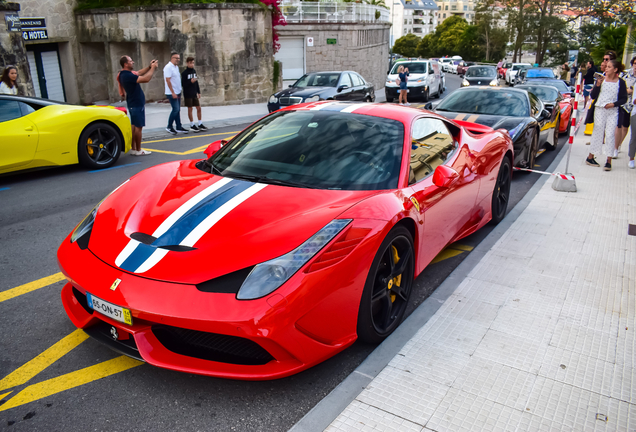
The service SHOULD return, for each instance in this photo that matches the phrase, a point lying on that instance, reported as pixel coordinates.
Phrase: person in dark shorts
(129, 81)
(192, 93)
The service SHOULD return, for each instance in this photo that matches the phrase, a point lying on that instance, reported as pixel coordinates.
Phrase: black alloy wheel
(501, 194)
(99, 146)
(368, 99)
(425, 96)
(388, 287)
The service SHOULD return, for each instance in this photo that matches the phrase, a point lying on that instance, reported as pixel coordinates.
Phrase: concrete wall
(13, 51)
(232, 45)
(363, 48)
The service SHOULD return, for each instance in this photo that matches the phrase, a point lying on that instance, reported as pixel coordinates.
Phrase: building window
(444, 16)
(406, 21)
(454, 7)
(446, 8)
(465, 7)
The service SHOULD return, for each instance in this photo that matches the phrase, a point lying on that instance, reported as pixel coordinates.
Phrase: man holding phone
(129, 81)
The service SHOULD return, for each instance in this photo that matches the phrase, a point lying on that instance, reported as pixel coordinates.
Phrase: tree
(612, 38)
(445, 40)
(487, 19)
(407, 45)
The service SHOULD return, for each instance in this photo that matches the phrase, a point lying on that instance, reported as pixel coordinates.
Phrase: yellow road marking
(44, 360)
(70, 380)
(31, 286)
(187, 152)
(3, 395)
(189, 137)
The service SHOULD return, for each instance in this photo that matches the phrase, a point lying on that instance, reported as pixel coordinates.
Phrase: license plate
(115, 312)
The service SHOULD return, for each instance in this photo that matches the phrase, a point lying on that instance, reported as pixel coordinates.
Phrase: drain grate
(631, 229)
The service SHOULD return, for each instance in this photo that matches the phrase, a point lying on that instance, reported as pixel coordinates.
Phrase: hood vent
(147, 239)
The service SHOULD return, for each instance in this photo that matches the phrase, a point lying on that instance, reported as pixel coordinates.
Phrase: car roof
(486, 66)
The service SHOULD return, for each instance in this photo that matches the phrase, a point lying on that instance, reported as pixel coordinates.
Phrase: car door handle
(28, 128)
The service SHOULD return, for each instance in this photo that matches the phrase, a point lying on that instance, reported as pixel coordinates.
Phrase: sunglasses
(606, 59)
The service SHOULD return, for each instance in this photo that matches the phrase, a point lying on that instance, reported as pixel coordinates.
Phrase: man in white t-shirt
(172, 80)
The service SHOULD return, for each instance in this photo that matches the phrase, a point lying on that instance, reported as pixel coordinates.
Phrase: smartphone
(599, 75)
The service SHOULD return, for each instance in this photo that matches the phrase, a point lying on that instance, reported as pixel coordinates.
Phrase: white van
(445, 62)
(425, 80)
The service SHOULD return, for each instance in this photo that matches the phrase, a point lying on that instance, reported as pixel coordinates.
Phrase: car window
(507, 65)
(9, 110)
(535, 105)
(431, 145)
(356, 80)
(345, 80)
(318, 80)
(26, 108)
(543, 93)
(558, 84)
(486, 101)
(414, 68)
(481, 72)
(318, 149)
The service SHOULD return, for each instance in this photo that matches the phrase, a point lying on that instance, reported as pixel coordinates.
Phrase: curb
(158, 133)
(328, 409)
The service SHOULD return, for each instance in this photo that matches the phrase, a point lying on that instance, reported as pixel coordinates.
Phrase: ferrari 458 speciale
(38, 133)
(300, 235)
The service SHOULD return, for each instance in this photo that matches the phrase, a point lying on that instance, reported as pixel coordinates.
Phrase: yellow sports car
(38, 133)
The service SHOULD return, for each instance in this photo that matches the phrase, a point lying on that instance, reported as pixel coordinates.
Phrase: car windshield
(328, 79)
(486, 101)
(546, 94)
(540, 73)
(418, 68)
(558, 84)
(507, 65)
(481, 72)
(316, 149)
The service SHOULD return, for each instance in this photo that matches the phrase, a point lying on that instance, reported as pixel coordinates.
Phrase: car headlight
(269, 276)
(494, 83)
(465, 83)
(421, 80)
(273, 99)
(312, 99)
(86, 225)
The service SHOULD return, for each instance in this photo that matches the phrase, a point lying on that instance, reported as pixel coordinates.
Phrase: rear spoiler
(474, 127)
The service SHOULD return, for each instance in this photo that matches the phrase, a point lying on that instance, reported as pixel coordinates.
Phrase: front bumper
(178, 327)
(394, 92)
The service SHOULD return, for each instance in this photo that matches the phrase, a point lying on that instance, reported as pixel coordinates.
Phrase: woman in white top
(610, 92)
(8, 84)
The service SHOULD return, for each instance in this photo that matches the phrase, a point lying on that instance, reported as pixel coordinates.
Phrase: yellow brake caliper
(398, 279)
(89, 149)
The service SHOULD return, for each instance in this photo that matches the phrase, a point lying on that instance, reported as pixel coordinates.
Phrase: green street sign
(332, 41)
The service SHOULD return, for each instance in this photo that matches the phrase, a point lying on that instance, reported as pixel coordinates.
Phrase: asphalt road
(53, 379)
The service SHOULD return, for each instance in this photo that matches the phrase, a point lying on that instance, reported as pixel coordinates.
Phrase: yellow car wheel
(99, 146)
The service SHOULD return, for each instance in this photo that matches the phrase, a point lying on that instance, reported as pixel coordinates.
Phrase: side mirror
(214, 147)
(290, 86)
(429, 106)
(444, 176)
(342, 87)
(545, 114)
(572, 89)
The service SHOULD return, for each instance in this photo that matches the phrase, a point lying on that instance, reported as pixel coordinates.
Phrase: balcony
(296, 11)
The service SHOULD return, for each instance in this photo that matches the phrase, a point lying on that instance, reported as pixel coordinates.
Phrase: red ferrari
(302, 234)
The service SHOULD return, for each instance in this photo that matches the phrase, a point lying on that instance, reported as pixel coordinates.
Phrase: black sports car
(342, 86)
(564, 88)
(521, 113)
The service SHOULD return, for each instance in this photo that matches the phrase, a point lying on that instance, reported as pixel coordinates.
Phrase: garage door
(44, 64)
(51, 66)
(292, 55)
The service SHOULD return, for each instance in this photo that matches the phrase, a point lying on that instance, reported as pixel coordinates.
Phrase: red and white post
(567, 184)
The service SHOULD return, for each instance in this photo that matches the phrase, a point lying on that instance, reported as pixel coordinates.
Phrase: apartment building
(419, 17)
(462, 8)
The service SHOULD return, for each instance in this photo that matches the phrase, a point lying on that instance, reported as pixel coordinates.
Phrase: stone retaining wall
(232, 45)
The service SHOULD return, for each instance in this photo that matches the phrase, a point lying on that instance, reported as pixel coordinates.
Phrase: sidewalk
(157, 114)
(536, 329)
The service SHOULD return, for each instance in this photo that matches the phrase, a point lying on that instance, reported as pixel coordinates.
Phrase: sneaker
(608, 166)
(143, 152)
(171, 131)
(202, 128)
(615, 155)
(182, 130)
(133, 152)
(592, 162)
(631, 164)
(407, 104)
(194, 128)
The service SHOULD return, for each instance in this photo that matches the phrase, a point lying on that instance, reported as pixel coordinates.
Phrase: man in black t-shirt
(192, 93)
(129, 81)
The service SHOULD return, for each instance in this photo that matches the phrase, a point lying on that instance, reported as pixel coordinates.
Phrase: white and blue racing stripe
(188, 223)
(339, 107)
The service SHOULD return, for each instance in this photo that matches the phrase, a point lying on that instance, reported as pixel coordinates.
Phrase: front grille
(211, 346)
(102, 333)
(81, 299)
(287, 100)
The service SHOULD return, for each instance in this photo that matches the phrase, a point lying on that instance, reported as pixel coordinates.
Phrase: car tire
(425, 96)
(368, 99)
(555, 137)
(439, 92)
(381, 311)
(501, 194)
(99, 146)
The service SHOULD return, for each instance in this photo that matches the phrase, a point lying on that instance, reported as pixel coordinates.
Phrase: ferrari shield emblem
(415, 203)
(115, 284)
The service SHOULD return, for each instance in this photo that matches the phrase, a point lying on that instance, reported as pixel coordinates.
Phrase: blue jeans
(175, 114)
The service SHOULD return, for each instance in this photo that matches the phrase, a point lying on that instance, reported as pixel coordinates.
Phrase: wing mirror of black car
(444, 176)
(342, 87)
(214, 147)
(545, 114)
(429, 106)
(572, 89)
(290, 86)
